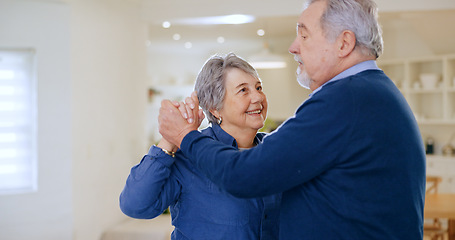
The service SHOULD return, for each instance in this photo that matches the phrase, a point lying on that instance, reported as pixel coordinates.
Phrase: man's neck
(353, 59)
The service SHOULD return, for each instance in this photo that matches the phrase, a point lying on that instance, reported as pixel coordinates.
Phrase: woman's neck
(244, 138)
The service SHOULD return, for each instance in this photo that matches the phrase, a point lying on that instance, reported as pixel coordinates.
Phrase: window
(18, 158)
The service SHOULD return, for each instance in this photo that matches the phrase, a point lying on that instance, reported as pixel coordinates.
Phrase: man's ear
(346, 43)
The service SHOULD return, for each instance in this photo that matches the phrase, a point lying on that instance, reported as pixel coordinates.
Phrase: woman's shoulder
(208, 131)
(212, 131)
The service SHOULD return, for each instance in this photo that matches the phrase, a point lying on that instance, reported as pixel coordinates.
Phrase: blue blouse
(199, 209)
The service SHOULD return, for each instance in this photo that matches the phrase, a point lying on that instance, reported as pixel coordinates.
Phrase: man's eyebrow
(301, 25)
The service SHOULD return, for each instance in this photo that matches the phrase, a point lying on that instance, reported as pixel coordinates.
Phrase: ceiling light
(268, 64)
(267, 60)
(227, 19)
(166, 24)
(176, 37)
(236, 19)
(260, 32)
(188, 45)
(220, 39)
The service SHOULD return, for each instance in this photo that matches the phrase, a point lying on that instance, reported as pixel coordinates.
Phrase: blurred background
(101, 68)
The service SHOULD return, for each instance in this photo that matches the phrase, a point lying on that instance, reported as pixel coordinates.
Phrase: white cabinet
(445, 168)
(431, 105)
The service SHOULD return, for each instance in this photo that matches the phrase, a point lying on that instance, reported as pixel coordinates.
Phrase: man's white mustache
(297, 58)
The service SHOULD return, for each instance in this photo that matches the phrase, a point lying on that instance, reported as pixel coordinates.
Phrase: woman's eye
(259, 88)
(242, 90)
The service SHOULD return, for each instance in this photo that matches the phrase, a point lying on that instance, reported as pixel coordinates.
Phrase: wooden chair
(432, 184)
(434, 230)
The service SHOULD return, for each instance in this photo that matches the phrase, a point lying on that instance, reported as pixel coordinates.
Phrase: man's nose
(294, 48)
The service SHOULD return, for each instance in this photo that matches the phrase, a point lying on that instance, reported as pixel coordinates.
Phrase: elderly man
(351, 162)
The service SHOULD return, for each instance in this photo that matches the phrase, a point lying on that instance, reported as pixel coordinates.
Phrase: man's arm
(301, 149)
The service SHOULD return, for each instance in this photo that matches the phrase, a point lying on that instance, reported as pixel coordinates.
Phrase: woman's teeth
(254, 112)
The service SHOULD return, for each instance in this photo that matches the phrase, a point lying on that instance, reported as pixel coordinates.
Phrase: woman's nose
(257, 97)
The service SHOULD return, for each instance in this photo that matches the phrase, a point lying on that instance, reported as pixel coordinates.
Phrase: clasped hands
(177, 119)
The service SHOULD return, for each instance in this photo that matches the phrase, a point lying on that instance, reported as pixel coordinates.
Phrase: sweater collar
(360, 67)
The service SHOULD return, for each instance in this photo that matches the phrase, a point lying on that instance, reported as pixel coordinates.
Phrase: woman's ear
(215, 113)
(346, 42)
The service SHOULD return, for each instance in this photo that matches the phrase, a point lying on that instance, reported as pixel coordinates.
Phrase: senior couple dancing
(350, 164)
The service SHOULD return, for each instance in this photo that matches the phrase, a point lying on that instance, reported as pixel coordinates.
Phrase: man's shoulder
(363, 80)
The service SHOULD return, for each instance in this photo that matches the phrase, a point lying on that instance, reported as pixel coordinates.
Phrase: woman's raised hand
(178, 119)
(186, 108)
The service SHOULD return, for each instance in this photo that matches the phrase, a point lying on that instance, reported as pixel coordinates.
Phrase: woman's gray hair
(358, 16)
(210, 83)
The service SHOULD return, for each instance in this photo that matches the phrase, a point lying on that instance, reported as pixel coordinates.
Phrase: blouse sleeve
(151, 186)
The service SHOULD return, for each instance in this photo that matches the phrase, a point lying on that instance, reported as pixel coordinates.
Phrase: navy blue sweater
(350, 164)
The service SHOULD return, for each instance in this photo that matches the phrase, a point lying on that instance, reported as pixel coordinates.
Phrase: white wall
(401, 40)
(91, 102)
(108, 106)
(47, 213)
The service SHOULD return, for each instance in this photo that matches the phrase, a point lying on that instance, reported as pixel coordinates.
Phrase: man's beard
(302, 77)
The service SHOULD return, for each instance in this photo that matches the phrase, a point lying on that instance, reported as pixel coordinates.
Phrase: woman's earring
(220, 120)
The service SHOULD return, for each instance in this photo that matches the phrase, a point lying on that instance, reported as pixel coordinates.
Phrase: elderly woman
(230, 93)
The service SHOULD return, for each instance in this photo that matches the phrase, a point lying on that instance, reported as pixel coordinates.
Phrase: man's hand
(173, 126)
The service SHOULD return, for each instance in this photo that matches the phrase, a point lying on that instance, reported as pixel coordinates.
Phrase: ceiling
(275, 26)
(161, 10)
(429, 24)
(429, 19)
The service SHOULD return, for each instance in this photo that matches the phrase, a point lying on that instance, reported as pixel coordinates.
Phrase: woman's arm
(151, 186)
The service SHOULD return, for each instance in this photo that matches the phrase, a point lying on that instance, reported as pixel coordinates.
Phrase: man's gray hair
(358, 16)
(210, 83)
